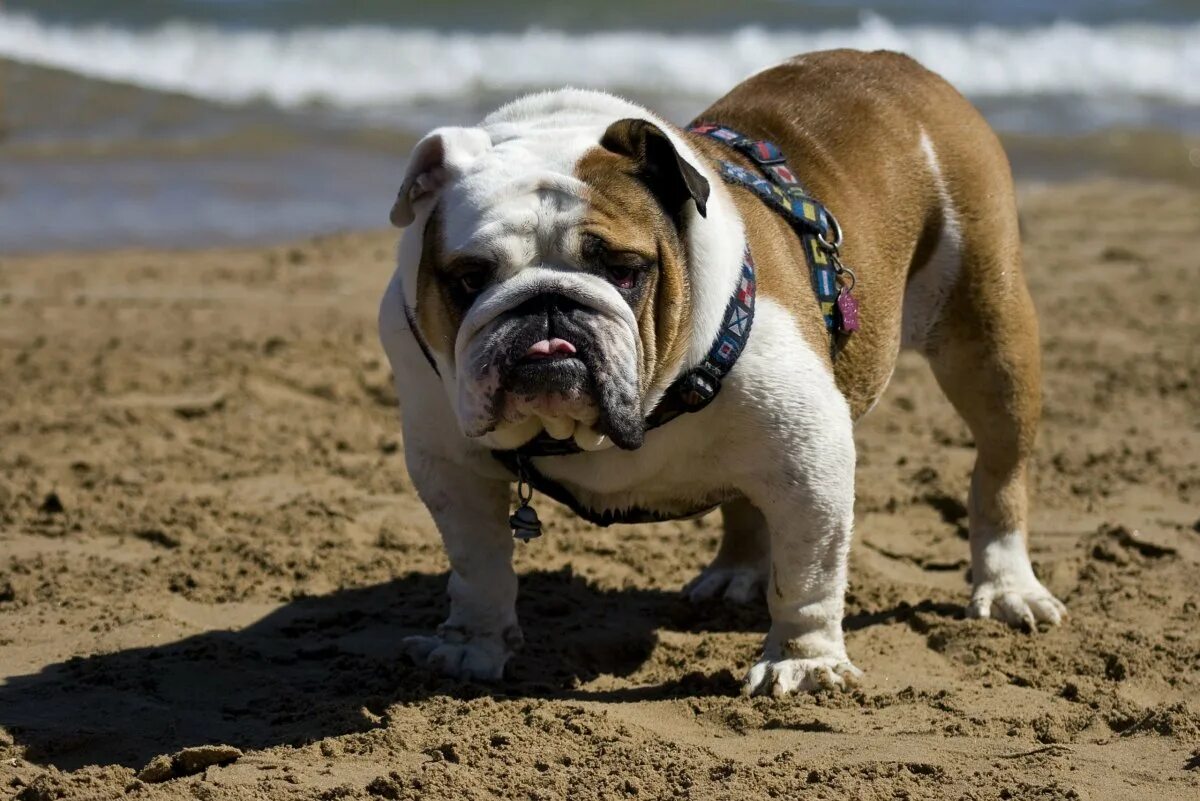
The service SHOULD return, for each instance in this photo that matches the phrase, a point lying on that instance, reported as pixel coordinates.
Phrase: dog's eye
(622, 268)
(467, 277)
(622, 276)
(472, 282)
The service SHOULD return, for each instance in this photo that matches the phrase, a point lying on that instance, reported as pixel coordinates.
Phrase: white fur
(928, 289)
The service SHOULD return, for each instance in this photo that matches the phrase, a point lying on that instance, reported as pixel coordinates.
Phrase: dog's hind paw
(1022, 605)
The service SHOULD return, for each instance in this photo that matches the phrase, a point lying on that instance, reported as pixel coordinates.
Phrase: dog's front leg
(471, 511)
(810, 517)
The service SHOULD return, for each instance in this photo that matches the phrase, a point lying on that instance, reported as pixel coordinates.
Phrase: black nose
(548, 314)
(549, 304)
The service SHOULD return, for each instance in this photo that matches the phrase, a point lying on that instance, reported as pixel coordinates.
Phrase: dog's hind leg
(987, 363)
(739, 571)
(983, 347)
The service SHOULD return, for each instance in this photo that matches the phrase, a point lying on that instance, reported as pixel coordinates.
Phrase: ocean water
(199, 121)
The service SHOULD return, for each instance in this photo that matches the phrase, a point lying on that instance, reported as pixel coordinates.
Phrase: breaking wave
(360, 67)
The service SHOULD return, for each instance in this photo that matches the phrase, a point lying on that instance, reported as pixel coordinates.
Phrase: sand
(207, 538)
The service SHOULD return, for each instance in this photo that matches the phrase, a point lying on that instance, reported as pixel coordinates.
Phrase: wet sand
(207, 538)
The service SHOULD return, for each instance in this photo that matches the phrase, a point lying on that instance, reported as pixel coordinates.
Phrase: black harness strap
(523, 468)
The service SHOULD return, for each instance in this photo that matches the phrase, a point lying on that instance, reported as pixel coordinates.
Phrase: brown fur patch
(437, 315)
(626, 215)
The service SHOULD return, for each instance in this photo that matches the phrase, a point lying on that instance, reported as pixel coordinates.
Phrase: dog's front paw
(739, 585)
(781, 676)
(454, 651)
(1023, 603)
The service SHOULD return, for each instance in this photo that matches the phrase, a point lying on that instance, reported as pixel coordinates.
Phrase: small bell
(525, 523)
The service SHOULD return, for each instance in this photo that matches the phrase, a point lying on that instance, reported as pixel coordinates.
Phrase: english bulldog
(569, 258)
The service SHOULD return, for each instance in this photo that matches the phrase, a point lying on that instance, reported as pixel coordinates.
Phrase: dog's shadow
(330, 665)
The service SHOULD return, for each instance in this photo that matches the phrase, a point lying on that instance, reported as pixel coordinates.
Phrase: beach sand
(208, 538)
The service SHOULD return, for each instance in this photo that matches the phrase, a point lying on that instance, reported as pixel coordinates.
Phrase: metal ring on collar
(834, 227)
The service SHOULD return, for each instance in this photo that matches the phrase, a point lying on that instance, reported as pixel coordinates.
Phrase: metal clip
(841, 270)
(836, 228)
(833, 249)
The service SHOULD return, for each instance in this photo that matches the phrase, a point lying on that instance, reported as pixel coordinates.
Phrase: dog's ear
(670, 176)
(431, 166)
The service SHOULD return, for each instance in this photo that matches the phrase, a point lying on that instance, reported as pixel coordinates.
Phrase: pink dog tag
(847, 312)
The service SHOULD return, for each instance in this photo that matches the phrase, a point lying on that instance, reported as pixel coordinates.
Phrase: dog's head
(550, 265)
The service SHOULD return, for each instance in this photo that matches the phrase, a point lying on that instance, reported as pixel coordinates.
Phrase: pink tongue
(550, 347)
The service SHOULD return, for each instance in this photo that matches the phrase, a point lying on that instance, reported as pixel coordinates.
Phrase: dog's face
(546, 269)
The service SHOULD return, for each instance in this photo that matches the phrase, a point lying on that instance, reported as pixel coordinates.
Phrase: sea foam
(360, 67)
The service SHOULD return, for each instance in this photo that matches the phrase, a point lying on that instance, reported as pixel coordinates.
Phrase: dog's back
(915, 176)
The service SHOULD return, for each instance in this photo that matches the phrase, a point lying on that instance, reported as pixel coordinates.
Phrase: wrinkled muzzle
(553, 350)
